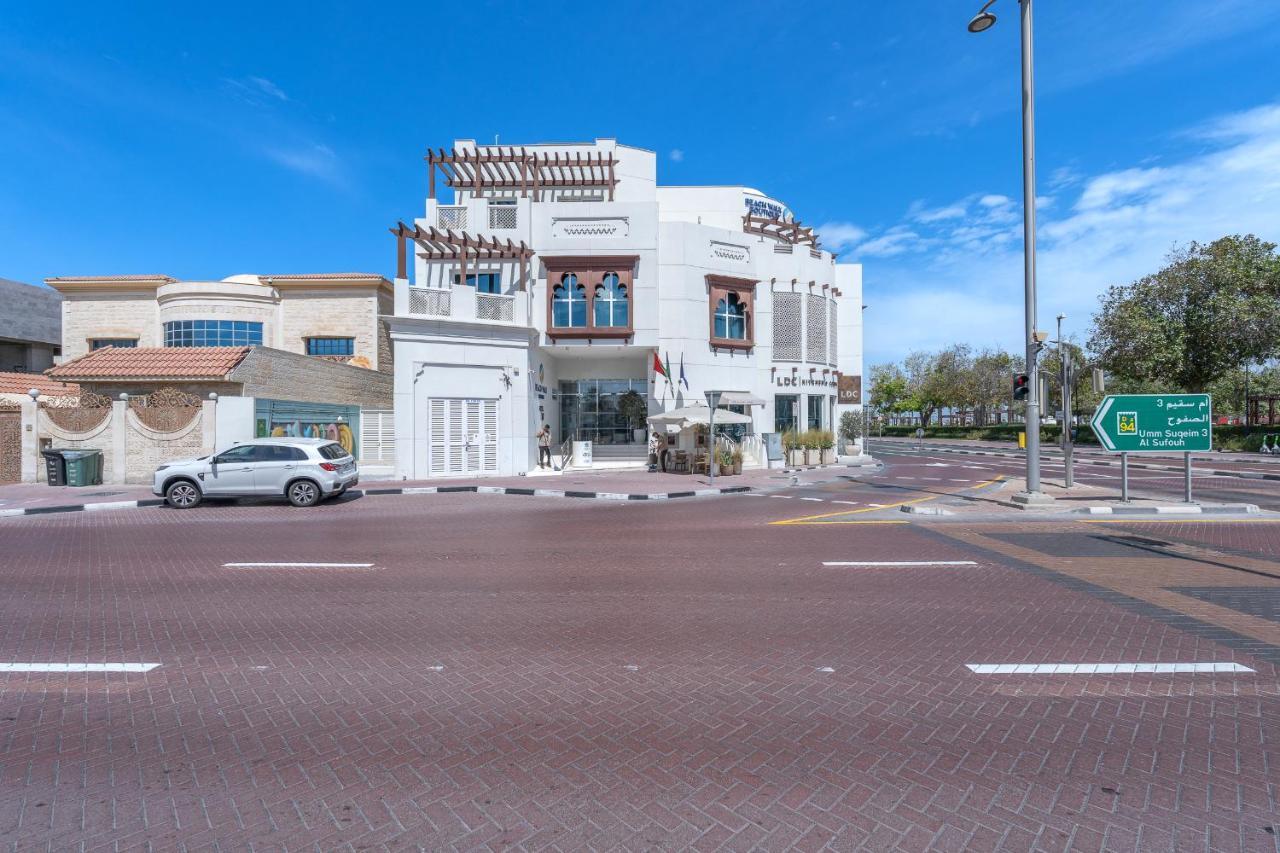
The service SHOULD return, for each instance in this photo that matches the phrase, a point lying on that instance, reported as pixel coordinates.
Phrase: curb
(412, 490)
(1212, 472)
(1170, 509)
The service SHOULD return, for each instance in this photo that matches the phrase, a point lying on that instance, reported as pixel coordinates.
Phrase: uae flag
(660, 369)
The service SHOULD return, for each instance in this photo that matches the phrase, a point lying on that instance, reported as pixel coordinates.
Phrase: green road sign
(1154, 423)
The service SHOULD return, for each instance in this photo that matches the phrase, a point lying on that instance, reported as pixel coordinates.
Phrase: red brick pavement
(634, 676)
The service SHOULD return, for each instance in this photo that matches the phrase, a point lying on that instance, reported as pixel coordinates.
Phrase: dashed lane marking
(77, 667)
(823, 518)
(850, 503)
(901, 563)
(819, 500)
(297, 565)
(1101, 668)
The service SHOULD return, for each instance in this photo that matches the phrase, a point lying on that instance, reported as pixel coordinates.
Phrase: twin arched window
(731, 318)
(569, 302)
(610, 302)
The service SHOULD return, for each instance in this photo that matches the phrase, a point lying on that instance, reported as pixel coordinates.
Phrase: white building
(545, 290)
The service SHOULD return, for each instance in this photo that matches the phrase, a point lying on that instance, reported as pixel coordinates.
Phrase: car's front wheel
(303, 493)
(182, 494)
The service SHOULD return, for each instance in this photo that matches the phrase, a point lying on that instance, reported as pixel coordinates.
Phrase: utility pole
(1032, 338)
(1068, 446)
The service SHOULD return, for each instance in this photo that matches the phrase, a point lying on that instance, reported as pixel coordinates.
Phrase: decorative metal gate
(10, 444)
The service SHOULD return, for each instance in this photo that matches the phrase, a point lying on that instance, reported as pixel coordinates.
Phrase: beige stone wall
(137, 389)
(148, 449)
(101, 437)
(282, 375)
(330, 313)
(122, 314)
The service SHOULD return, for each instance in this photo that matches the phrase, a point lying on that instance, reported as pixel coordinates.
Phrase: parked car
(303, 470)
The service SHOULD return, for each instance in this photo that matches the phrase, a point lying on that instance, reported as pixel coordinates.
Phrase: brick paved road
(550, 674)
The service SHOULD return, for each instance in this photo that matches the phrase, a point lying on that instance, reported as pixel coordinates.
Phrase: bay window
(590, 297)
(732, 311)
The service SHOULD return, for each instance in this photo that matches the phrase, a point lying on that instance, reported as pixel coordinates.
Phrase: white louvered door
(464, 437)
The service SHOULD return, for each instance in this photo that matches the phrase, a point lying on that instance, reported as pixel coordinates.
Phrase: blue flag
(683, 381)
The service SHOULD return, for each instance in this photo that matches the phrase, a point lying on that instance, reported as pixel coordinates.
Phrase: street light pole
(981, 22)
(1068, 447)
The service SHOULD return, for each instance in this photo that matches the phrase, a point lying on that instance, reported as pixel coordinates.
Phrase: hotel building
(559, 277)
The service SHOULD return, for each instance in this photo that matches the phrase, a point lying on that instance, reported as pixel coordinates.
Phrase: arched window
(569, 302)
(731, 319)
(610, 301)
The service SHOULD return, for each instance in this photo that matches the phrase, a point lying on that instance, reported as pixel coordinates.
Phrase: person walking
(544, 446)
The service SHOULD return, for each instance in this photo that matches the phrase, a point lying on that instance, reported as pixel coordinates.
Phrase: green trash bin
(84, 467)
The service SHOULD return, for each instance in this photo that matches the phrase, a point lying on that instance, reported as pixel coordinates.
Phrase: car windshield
(333, 451)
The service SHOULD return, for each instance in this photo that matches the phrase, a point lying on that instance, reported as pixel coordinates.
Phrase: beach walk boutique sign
(767, 209)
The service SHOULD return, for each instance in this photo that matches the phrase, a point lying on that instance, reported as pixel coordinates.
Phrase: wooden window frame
(589, 270)
(719, 287)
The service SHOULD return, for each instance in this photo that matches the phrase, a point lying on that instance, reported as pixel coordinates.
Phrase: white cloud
(268, 88)
(312, 159)
(677, 155)
(960, 279)
(840, 236)
(938, 214)
(895, 241)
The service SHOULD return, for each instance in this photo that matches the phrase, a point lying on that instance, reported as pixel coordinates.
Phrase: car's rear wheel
(182, 494)
(303, 493)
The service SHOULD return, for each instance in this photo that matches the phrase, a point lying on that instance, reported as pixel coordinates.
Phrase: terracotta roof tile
(109, 278)
(148, 362)
(21, 383)
(337, 276)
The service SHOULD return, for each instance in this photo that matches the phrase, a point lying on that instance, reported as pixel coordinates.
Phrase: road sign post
(1154, 423)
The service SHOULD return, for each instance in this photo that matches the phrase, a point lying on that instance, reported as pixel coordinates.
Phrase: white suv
(304, 470)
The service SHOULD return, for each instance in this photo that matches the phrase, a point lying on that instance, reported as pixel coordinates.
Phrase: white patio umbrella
(698, 415)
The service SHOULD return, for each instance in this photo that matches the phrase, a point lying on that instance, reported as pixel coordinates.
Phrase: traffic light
(1021, 386)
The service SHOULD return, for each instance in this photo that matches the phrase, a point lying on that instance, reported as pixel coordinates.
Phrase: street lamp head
(981, 22)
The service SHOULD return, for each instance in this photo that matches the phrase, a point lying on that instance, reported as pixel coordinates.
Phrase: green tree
(922, 388)
(992, 383)
(888, 388)
(1210, 310)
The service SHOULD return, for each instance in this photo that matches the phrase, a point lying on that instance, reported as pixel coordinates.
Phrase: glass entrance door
(594, 410)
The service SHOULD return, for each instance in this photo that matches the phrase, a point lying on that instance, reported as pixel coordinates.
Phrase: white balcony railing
(451, 218)
(493, 306)
(502, 217)
(430, 301)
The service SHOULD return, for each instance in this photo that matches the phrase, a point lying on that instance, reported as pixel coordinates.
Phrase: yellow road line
(816, 519)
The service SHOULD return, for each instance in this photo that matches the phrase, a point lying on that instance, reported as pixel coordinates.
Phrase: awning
(698, 415)
(739, 398)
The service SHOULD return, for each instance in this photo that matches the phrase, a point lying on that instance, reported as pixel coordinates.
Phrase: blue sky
(287, 137)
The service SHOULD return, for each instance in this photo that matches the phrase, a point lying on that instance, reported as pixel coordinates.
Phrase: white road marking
(436, 668)
(903, 563)
(875, 504)
(1100, 668)
(962, 481)
(631, 667)
(296, 565)
(904, 478)
(783, 497)
(77, 667)
(753, 495)
(819, 500)
(937, 465)
(825, 669)
(850, 503)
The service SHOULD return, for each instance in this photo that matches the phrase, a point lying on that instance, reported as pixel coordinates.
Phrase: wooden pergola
(509, 168)
(793, 232)
(450, 246)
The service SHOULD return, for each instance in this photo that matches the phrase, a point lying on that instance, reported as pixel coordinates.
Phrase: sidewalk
(626, 484)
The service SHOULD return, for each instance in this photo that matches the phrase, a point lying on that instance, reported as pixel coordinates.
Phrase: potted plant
(825, 441)
(808, 442)
(634, 411)
(725, 457)
(850, 430)
(737, 460)
(790, 441)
